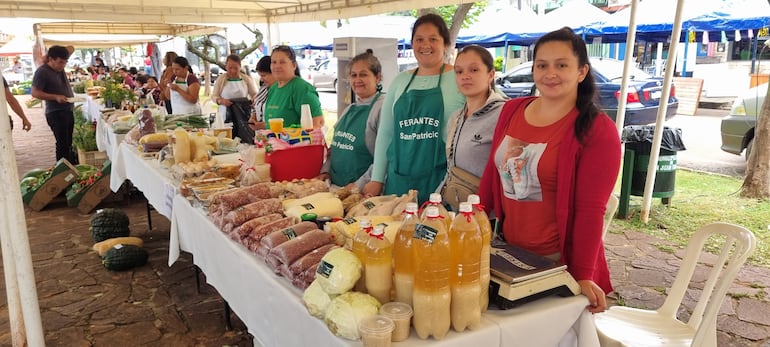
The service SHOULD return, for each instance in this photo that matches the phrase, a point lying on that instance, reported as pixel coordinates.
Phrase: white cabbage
(316, 299)
(347, 310)
(338, 271)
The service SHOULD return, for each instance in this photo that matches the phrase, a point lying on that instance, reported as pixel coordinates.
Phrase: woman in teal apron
(352, 149)
(410, 149)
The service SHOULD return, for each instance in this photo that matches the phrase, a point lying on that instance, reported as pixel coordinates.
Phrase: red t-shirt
(526, 161)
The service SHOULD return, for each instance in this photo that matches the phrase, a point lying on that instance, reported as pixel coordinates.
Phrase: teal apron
(349, 156)
(417, 152)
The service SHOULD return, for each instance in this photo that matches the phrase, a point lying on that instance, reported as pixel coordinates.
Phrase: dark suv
(642, 98)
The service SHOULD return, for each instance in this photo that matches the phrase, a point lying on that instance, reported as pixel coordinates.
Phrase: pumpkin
(124, 257)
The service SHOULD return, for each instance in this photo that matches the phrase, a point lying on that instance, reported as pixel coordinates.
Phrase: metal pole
(16, 243)
(652, 167)
(15, 318)
(620, 117)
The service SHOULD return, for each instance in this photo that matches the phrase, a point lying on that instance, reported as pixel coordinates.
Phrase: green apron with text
(417, 153)
(349, 156)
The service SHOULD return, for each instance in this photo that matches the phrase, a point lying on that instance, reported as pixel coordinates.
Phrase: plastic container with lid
(401, 315)
(376, 331)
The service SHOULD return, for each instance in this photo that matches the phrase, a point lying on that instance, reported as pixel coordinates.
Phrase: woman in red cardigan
(553, 165)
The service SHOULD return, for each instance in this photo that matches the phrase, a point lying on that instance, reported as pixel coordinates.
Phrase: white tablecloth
(106, 140)
(272, 309)
(91, 108)
(158, 186)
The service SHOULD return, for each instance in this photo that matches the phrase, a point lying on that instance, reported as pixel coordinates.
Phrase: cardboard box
(94, 158)
(88, 198)
(63, 175)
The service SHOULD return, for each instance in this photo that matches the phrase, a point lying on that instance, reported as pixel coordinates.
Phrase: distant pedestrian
(50, 84)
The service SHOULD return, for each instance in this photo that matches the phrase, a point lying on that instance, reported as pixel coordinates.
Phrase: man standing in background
(51, 85)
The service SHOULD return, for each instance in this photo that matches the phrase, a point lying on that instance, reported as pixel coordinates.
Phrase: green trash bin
(638, 140)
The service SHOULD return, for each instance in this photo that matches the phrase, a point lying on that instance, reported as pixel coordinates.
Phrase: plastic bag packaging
(639, 137)
(254, 170)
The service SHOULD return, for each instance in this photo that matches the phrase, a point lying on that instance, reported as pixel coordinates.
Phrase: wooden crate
(94, 158)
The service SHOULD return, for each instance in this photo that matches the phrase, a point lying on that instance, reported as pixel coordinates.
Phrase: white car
(324, 75)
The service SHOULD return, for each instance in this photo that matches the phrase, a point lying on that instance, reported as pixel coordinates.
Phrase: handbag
(459, 184)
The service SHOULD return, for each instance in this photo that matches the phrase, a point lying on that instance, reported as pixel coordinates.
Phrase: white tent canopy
(112, 34)
(209, 11)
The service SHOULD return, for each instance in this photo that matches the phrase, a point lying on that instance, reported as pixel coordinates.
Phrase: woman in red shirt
(553, 165)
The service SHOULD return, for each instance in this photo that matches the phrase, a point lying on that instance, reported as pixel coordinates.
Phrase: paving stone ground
(82, 304)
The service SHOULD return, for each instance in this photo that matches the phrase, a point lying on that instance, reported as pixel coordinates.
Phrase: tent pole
(659, 60)
(19, 241)
(15, 317)
(505, 56)
(652, 166)
(620, 117)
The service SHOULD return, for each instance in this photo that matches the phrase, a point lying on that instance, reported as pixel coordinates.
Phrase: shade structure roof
(208, 11)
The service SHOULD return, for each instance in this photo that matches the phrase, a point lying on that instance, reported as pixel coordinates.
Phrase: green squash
(101, 233)
(110, 217)
(124, 257)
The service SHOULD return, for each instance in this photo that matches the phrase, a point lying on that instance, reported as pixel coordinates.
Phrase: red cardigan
(586, 176)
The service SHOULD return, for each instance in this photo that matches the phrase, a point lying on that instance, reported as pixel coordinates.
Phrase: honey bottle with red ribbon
(378, 265)
(465, 250)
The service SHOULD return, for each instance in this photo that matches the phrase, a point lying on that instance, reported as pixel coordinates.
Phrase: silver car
(738, 127)
(324, 75)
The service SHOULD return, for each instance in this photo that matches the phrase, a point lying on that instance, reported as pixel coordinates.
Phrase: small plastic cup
(376, 331)
(276, 125)
(401, 315)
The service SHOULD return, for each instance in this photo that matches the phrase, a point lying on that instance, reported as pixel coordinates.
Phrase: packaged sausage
(253, 210)
(245, 229)
(278, 237)
(259, 232)
(310, 259)
(243, 196)
(292, 250)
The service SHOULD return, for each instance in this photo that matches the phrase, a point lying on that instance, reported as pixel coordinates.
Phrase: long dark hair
(586, 91)
(485, 56)
(436, 21)
(182, 61)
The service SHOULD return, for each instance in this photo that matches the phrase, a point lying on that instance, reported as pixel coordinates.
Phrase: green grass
(700, 199)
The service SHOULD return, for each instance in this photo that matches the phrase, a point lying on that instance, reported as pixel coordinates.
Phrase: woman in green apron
(352, 149)
(410, 149)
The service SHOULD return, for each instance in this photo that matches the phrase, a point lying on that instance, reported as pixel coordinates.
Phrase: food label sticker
(69, 177)
(325, 269)
(289, 233)
(349, 220)
(369, 205)
(308, 206)
(425, 233)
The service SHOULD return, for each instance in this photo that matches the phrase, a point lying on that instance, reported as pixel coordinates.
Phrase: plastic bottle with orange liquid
(379, 265)
(359, 249)
(486, 241)
(431, 296)
(403, 267)
(465, 251)
(435, 200)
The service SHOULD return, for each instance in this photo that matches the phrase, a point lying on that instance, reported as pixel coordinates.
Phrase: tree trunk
(756, 184)
(457, 22)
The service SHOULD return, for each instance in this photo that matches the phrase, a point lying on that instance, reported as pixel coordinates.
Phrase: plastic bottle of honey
(403, 268)
(486, 240)
(359, 249)
(379, 267)
(435, 200)
(431, 297)
(465, 248)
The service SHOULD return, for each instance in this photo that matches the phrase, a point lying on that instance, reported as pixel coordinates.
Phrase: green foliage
(116, 93)
(700, 199)
(446, 12)
(498, 63)
(84, 133)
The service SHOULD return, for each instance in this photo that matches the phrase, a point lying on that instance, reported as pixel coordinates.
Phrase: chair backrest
(609, 213)
(738, 244)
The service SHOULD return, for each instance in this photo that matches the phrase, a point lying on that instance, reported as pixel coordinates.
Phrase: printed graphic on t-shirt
(517, 163)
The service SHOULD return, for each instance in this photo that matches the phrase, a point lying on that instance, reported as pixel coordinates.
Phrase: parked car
(738, 127)
(324, 75)
(642, 98)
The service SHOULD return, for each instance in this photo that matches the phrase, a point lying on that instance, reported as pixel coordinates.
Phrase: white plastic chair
(609, 213)
(625, 326)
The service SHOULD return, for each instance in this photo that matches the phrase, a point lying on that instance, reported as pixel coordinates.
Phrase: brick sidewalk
(82, 304)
